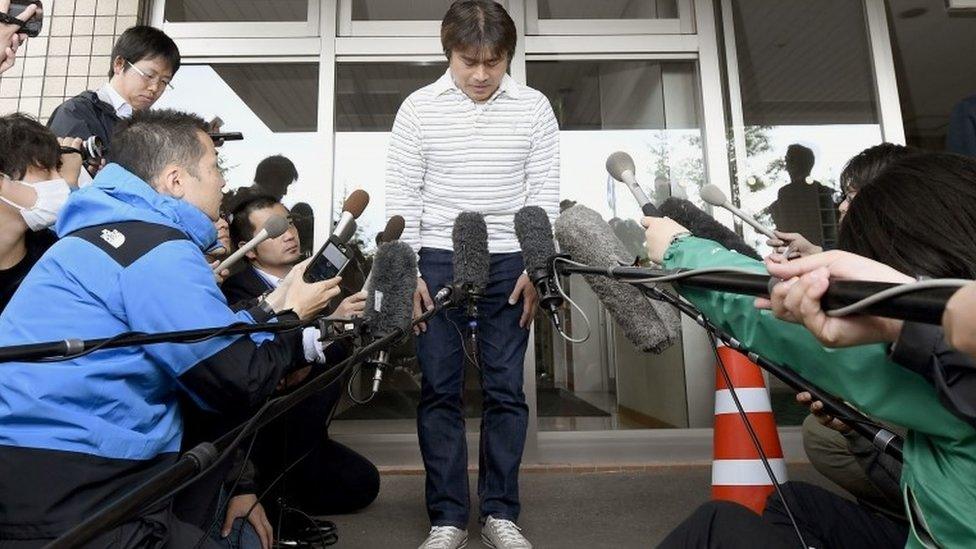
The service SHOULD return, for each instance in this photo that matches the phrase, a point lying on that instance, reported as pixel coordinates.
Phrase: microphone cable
(562, 292)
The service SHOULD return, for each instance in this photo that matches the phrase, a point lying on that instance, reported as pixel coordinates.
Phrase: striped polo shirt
(449, 154)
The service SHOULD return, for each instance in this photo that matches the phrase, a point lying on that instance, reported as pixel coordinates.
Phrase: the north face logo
(114, 238)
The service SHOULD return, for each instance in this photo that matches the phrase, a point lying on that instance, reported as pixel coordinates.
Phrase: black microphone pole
(886, 441)
(202, 456)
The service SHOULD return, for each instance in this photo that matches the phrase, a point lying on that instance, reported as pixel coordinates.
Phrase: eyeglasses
(150, 79)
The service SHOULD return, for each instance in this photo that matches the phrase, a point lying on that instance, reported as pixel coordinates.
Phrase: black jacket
(922, 348)
(84, 115)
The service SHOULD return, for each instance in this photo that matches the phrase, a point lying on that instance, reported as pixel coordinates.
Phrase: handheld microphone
(705, 226)
(534, 233)
(651, 326)
(389, 297)
(621, 167)
(352, 208)
(392, 231)
(714, 196)
(274, 227)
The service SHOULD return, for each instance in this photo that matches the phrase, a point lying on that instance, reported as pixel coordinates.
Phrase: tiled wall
(71, 55)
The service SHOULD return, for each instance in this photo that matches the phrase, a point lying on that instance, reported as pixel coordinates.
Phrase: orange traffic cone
(738, 473)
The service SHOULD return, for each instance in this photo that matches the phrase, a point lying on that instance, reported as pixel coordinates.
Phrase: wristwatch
(265, 305)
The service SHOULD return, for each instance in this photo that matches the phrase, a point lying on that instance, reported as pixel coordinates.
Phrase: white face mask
(51, 196)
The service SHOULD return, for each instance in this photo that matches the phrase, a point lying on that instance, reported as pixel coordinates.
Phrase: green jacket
(940, 449)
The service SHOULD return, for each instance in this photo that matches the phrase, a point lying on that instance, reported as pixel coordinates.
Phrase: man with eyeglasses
(144, 61)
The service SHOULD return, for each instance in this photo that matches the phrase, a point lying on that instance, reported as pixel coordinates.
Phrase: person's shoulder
(85, 101)
(528, 93)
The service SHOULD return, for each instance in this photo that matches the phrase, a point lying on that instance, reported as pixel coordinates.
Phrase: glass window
(275, 106)
(808, 106)
(608, 9)
(368, 96)
(398, 10)
(650, 110)
(225, 11)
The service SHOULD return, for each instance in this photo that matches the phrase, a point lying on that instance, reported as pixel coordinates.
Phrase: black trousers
(825, 519)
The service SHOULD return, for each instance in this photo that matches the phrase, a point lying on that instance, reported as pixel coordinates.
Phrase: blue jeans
(440, 415)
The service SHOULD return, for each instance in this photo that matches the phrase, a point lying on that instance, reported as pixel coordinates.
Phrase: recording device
(92, 150)
(328, 262)
(714, 196)
(352, 208)
(32, 27)
(649, 325)
(705, 226)
(472, 263)
(226, 136)
(620, 165)
(274, 227)
(534, 233)
(389, 297)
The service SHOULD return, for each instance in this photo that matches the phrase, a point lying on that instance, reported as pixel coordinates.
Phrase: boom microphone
(352, 208)
(534, 234)
(620, 165)
(389, 296)
(714, 196)
(471, 258)
(274, 227)
(651, 326)
(704, 226)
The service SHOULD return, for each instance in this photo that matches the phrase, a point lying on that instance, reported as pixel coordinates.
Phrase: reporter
(130, 259)
(940, 450)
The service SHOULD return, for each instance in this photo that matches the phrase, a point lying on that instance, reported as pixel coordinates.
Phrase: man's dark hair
(150, 140)
(274, 174)
(917, 216)
(867, 164)
(144, 42)
(25, 142)
(800, 157)
(483, 24)
(241, 229)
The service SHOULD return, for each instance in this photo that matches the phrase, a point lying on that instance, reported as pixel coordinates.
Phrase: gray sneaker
(503, 534)
(445, 537)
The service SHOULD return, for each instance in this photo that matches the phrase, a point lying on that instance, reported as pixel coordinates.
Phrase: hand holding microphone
(305, 299)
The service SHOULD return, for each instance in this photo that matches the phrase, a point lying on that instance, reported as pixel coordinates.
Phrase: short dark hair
(144, 42)
(241, 229)
(25, 143)
(867, 164)
(149, 140)
(802, 156)
(480, 24)
(917, 216)
(277, 171)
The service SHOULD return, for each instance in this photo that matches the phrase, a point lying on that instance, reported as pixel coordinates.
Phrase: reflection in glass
(608, 9)
(226, 11)
(808, 105)
(399, 10)
(650, 110)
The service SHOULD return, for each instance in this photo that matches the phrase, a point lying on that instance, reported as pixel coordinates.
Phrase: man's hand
(421, 304)
(71, 162)
(10, 37)
(959, 320)
(351, 306)
(817, 409)
(806, 280)
(795, 243)
(222, 275)
(238, 508)
(303, 298)
(660, 231)
(526, 291)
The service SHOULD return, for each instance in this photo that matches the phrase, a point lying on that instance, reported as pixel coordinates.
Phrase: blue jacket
(129, 259)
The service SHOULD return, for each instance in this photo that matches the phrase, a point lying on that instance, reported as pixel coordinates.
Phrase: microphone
(714, 196)
(620, 165)
(352, 208)
(704, 226)
(651, 326)
(471, 258)
(922, 305)
(274, 227)
(389, 297)
(534, 233)
(393, 231)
